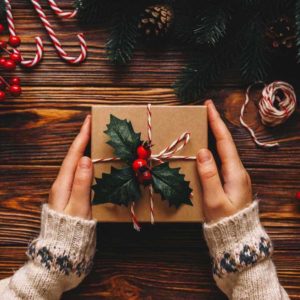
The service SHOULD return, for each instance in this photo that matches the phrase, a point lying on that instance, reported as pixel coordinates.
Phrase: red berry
(15, 80)
(14, 40)
(143, 152)
(15, 90)
(2, 61)
(1, 28)
(147, 176)
(9, 64)
(16, 57)
(3, 44)
(138, 164)
(297, 196)
(2, 95)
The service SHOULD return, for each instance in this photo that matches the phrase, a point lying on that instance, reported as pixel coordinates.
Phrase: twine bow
(166, 154)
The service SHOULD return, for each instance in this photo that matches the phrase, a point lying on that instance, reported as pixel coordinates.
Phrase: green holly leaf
(123, 139)
(119, 187)
(171, 185)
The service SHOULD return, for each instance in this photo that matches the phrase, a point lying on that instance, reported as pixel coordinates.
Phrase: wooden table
(164, 261)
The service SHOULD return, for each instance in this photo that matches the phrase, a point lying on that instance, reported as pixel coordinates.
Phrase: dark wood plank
(34, 125)
(21, 206)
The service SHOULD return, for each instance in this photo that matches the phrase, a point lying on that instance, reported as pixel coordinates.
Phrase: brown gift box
(168, 123)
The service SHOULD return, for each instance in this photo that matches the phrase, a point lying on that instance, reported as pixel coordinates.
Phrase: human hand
(70, 192)
(219, 200)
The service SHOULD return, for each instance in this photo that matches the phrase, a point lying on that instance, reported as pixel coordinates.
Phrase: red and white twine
(273, 109)
(165, 154)
(39, 44)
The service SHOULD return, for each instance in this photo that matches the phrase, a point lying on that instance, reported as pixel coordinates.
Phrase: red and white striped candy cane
(271, 114)
(62, 14)
(39, 44)
(62, 53)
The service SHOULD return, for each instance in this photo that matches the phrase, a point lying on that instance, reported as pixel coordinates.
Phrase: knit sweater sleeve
(58, 260)
(241, 253)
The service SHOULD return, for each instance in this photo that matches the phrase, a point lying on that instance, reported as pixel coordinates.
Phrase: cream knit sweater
(62, 255)
(59, 259)
(241, 249)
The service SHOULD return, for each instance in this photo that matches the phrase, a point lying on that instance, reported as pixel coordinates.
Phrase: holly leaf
(171, 185)
(124, 139)
(119, 187)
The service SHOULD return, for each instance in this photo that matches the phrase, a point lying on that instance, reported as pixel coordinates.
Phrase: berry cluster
(9, 63)
(141, 164)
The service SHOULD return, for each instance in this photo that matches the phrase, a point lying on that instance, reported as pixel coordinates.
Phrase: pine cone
(156, 20)
(281, 33)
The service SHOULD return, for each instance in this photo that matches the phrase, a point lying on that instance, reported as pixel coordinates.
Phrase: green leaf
(119, 187)
(123, 139)
(171, 185)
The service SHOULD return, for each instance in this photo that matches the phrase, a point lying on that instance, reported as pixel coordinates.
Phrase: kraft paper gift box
(168, 123)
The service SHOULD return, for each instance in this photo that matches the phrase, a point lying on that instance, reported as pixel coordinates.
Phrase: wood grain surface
(164, 261)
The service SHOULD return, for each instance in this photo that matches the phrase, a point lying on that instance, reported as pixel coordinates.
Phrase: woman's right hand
(222, 200)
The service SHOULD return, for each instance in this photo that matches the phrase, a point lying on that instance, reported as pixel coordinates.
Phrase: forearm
(241, 251)
(59, 258)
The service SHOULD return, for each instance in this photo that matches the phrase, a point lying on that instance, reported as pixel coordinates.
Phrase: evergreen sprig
(254, 59)
(297, 21)
(205, 28)
(2, 12)
(213, 23)
(205, 68)
(123, 37)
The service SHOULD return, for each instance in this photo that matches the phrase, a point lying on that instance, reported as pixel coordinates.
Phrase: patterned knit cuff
(238, 241)
(65, 244)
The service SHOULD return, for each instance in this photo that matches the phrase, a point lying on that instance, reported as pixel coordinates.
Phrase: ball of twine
(276, 105)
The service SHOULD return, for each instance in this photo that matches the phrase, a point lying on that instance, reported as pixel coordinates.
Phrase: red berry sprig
(9, 63)
(141, 165)
(13, 87)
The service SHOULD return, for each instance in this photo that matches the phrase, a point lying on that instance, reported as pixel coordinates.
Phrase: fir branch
(91, 11)
(254, 60)
(198, 74)
(123, 37)
(184, 22)
(3, 19)
(207, 67)
(297, 21)
(213, 23)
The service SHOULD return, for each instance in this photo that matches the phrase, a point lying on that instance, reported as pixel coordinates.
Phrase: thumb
(80, 203)
(214, 197)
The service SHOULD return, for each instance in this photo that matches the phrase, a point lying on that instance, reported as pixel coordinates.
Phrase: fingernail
(86, 119)
(85, 162)
(203, 156)
(209, 101)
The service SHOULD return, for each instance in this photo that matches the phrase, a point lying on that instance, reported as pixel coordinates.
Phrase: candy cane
(62, 14)
(56, 42)
(38, 41)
